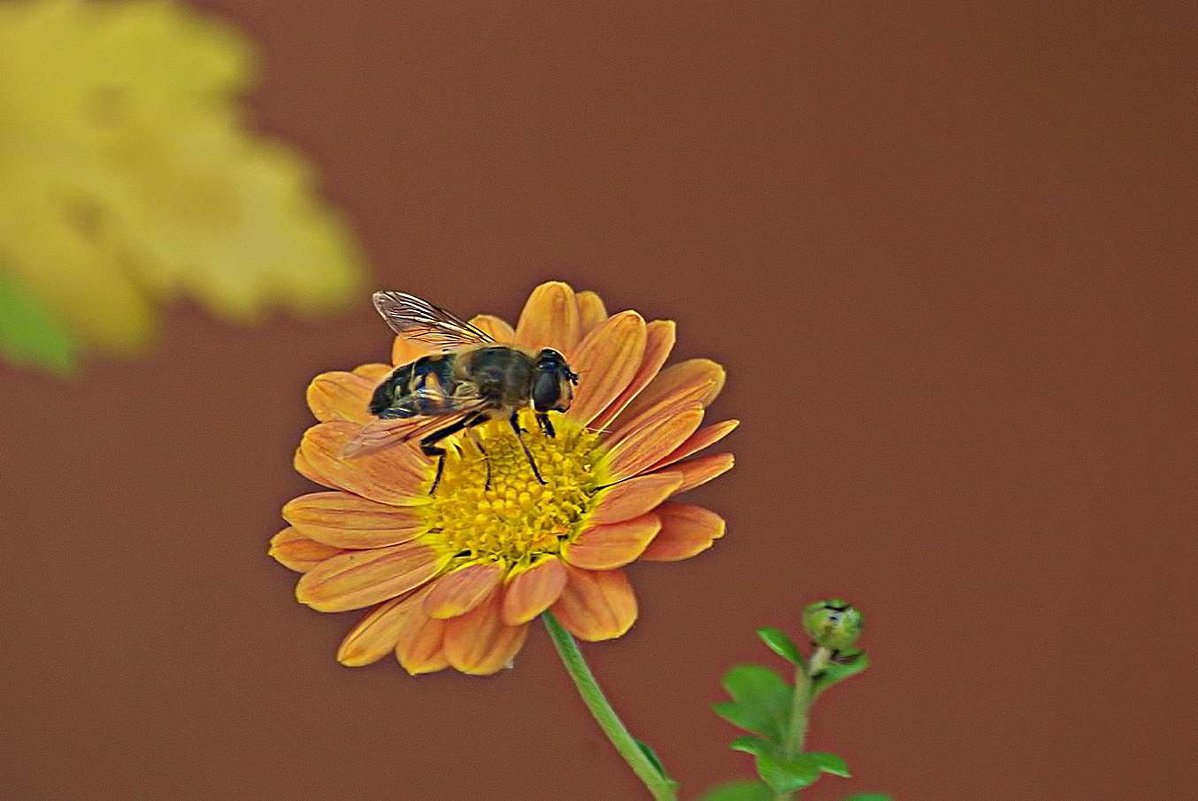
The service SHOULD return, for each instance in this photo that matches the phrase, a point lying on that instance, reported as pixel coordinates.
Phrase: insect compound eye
(545, 390)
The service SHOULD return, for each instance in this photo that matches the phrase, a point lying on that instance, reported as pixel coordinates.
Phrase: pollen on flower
(516, 519)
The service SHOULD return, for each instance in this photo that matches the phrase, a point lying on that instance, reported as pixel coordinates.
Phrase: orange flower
(455, 578)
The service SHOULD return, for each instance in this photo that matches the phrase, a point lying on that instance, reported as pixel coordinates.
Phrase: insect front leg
(429, 445)
(515, 421)
(546, 424)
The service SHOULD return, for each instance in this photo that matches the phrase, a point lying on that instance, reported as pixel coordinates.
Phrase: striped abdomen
(397, 396)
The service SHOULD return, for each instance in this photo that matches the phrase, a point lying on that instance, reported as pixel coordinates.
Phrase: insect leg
(546, 424)
(515, 421)
(429, 445)
(478, 443)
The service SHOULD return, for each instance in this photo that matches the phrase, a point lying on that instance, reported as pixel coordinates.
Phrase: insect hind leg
(515, 421)
(429, 446)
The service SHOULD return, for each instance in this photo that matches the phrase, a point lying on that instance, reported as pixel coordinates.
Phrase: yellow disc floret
(516, 518)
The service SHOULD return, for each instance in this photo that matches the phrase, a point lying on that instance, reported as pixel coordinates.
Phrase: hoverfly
(472, 380)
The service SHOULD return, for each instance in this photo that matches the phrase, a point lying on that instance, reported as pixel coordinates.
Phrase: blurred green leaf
(752, 745)
(835, 673)
(830, 763)
(30, 336)
(781, 644)
(786, 774)
(868, 797)
(760, 701)
(740, 791)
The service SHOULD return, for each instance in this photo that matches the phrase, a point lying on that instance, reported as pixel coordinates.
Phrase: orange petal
(608, 547)
(376, 634)
(392, 475)
(303, 467)
(687, 396)
(659, 341)
(340, 396)
(685, 531)
(347, 521)
(479, 642)
(376, 372)
(640, 449)
(633, 498)
(421, 647)
(549, 319)
(295, 551)
(691, 372)
(701, 470)
(356, 579)
(498, 329)
(530, 592)
(460, 591)
(596, 605)
(408, 350)
(703, 438)
(606, 361)
(591, 311)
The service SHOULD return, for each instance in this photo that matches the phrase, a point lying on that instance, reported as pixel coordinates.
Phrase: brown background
(947, 256)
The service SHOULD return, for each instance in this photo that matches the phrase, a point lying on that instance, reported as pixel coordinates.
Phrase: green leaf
(786, 774)
(868, 797)
(782, 773)
(740, 791)
(835, 673)
(28, 335)
(752, 745)
(760, 703)
(781, 644)
(830, 763)
(652, 756)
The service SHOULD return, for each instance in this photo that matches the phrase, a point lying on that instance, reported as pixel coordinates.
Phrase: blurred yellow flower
(126, 177)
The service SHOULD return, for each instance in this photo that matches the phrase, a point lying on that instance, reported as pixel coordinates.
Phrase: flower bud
(832, 624)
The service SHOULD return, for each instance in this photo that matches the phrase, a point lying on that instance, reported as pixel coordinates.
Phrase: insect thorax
(503, 375)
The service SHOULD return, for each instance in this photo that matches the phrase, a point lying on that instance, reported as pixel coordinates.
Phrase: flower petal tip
(296, 552)
(340, 395)
(597, 605)
(611, 546)
(353, 659)
(480, 643)
(686, 531)
(531, 591)
(550, 318)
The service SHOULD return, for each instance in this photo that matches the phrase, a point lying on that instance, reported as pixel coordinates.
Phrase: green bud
(832, 624)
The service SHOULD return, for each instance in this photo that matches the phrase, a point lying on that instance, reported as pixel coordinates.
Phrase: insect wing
(431, 401)
(379, 434)
(417, 319)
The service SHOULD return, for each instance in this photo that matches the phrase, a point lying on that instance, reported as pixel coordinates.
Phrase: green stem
(800, 710)
(662, 788)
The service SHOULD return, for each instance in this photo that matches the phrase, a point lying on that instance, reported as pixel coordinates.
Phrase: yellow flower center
(516, 518)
